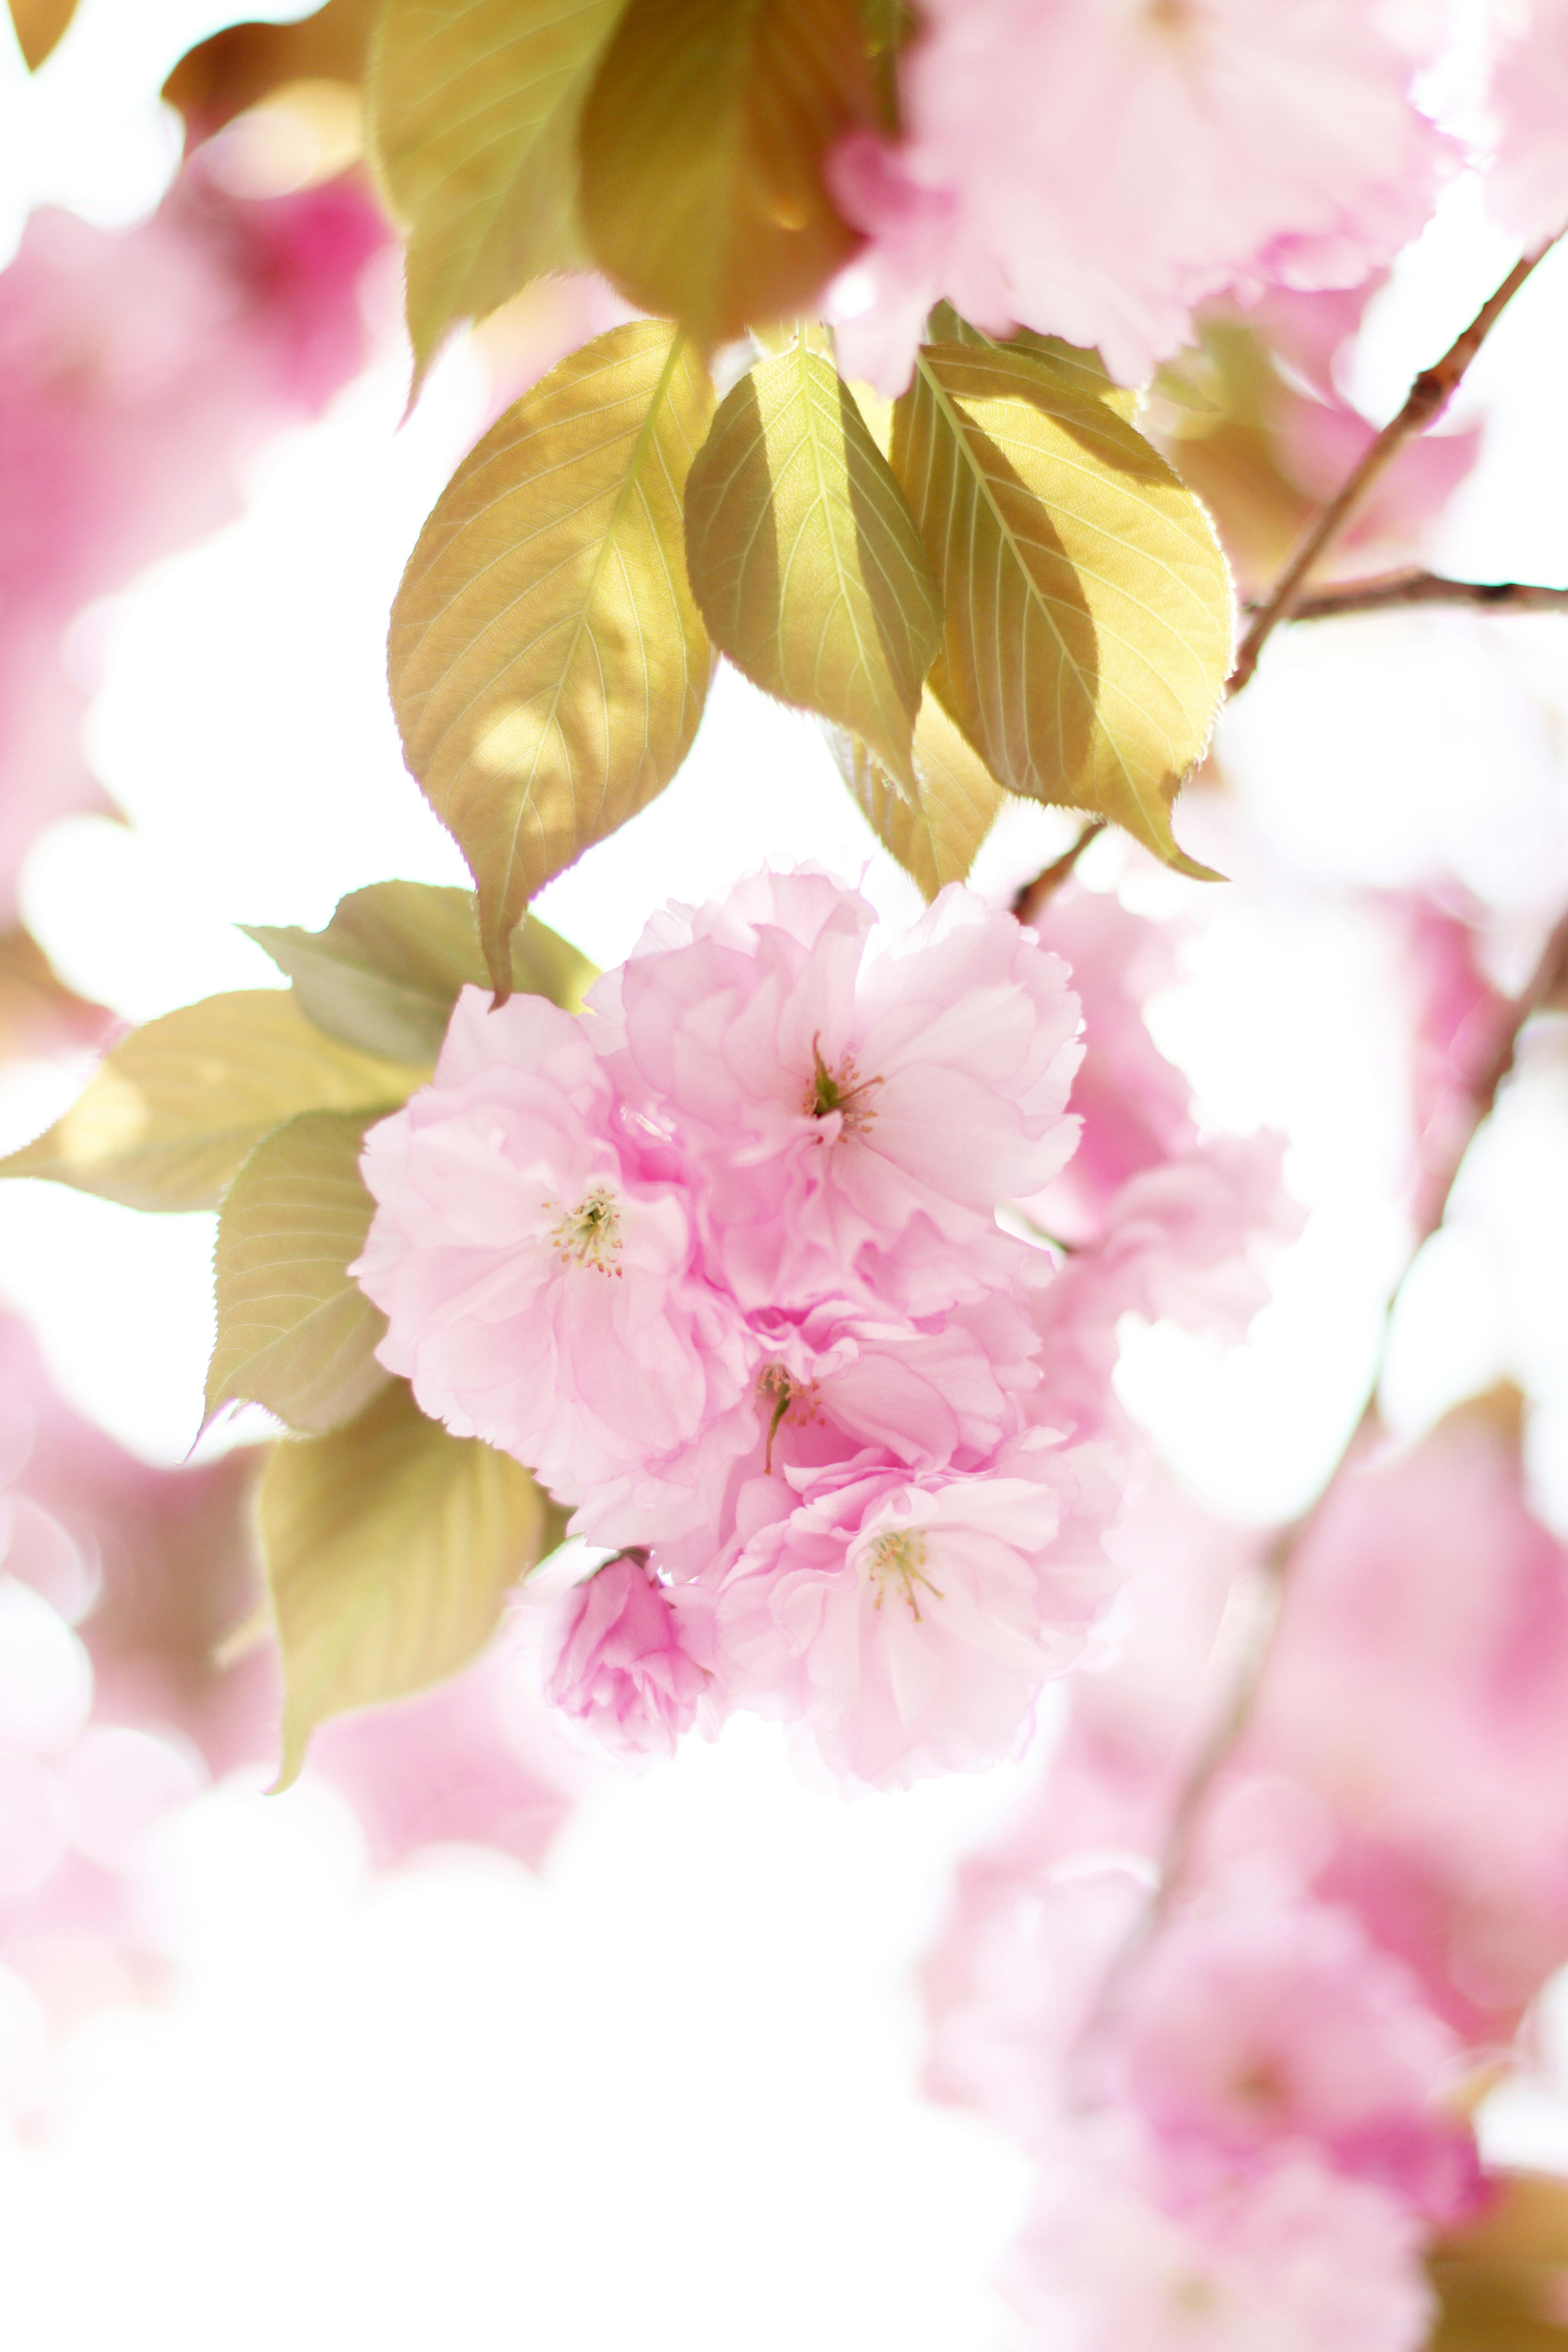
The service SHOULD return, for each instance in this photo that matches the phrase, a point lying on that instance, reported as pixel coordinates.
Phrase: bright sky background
(666, 2095)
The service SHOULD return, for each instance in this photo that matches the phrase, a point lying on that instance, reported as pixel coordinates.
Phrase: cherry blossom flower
(909, 1620)
(1120, 2257)
(1253, 2025)
(541, 1289)
(620, 1662)
(1527, 184)
(857, 1116)
(140, 370)
(1095, 168)
(721, 1260)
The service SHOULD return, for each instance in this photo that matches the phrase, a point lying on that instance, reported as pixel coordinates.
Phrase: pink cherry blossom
(1247, 2027)
(857, 1116)
(140, 370)
(620, 1662)
(1291, 2259)
(1095, 168)
(909, 1620)
(541, 1290)
(1527, 184)
(1418, 1693)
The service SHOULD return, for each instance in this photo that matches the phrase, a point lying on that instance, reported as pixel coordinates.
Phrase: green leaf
(1069, 363)
(172, 1115)
(1088, 611)
(389, 1548)
(935, 835)
(805, 559)
(472, 108)
(295, 1331)
(702, 149)
(548, 664)
(388, 970)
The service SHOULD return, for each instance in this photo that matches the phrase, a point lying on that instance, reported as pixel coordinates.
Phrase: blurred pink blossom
(1253, 2025)
(1527, 184)
(1095, 171)
(140, 370)
(1121, 2257)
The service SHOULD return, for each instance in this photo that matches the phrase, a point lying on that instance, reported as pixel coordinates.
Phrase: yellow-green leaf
(805, 559)
(295, 1331)
(548, 664)
(1070, 362)
(170, 1115)
(1088, 614)
(935, 835)
(40, 25)
(388, 970)
(1503, 2280)
(389, 1547)
(702, 150)
(472, 108)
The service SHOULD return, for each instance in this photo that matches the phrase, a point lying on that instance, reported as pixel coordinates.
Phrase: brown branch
(1034, 895)
(1429, 395)
(1397, 591)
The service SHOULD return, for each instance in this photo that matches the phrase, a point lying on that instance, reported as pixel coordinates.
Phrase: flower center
(843, 1090)
(903, 1558)
(780, 1397)
(590, 1235)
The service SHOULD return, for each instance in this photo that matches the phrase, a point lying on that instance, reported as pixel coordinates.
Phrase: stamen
(843, 1090)
(791, 1399)
(775, 1382)
(591, 1235)
(902, 1555)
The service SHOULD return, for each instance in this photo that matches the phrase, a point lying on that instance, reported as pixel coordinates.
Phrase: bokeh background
(662, 2086)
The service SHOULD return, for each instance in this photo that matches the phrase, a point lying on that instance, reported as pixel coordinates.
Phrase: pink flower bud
(619, 1660)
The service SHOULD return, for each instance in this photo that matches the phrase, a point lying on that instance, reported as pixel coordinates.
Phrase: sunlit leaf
(805, 559)
(243, 65)
(173, 1113)
(39, 1015)
(295, 1331)
(1503, 2280)
(702, 148)
(1084, 371)
(1089, 613)
(473, 107)
(386, 971)
(389, 1548)
(934, 833)
(548, 664)
(40, 26)
(890, 25)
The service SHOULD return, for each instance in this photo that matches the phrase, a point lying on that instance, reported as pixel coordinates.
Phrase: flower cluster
(719, 1259)
(1252, 2124)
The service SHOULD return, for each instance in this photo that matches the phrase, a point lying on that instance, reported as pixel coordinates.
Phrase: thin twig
(1225, 1734)
(1034, 895)
(1549, 976)
(1429, 395)
(1394, 591)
